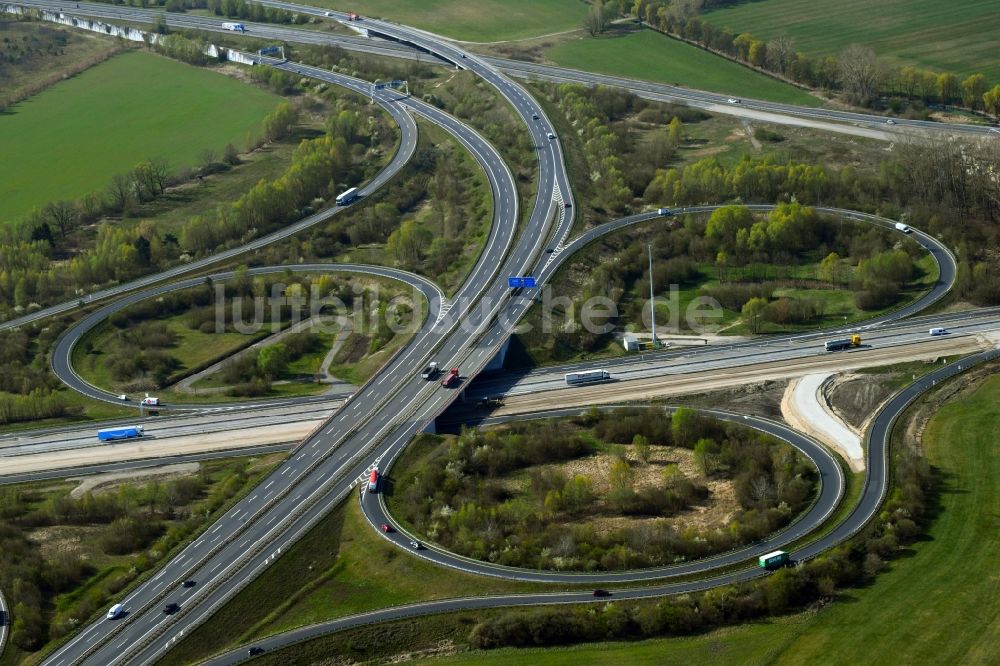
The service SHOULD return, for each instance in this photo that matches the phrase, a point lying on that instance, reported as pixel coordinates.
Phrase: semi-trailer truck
(450, 378)
(587, 377)
(845, 343)
(431, 371)
(775, 560)
(347, 197)
(235, 27)
(124, 432)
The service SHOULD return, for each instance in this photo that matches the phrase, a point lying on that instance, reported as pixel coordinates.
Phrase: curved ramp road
(867, 507)
(831, 490)
(62, 354)
(388, 100)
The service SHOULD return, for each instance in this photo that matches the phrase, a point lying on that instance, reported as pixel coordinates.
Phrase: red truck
(450, 378)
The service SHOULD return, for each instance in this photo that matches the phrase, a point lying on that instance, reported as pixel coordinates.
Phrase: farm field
(958, 36)
(645, 54)
(474, 20)
(950, 571)
(113, 116)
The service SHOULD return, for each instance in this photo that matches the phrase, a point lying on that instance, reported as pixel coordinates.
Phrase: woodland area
(110, 537)
(455, 494)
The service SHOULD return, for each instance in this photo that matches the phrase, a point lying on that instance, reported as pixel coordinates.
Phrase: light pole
(652, 300)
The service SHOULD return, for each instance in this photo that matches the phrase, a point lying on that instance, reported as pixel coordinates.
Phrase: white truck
(235, 27)
(905, 228)
(431, 371)
(665, 212)
(150, 401)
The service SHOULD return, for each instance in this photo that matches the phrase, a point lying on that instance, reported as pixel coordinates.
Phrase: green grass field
(473, 20)
(70, 139)
(959, 36)
(645, 54)
(939, 604)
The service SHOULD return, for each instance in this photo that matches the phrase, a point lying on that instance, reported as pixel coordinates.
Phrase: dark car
(188, 583)
(601, 593)
(567, 204)
(171, 608)
(254, 651)
(549, 250)
(534, 116)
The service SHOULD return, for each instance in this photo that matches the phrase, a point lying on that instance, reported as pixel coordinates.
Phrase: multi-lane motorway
(377, 421)
(385, 412)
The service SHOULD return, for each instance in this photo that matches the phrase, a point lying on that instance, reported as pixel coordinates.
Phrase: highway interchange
(376, 422)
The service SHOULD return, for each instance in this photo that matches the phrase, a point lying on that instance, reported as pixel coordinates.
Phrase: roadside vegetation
(155, 344)
(633, 52)
(856, 72)
(949, 568)
(66, 551)
(956, 37)
(788, 271)
(932, 541)
(342, 566)
(583, 493)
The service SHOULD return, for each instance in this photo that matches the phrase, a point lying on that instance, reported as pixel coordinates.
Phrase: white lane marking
(269, 485)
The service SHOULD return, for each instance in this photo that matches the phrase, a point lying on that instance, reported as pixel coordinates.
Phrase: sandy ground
(165, 446)
(98, 481)
(805, 409)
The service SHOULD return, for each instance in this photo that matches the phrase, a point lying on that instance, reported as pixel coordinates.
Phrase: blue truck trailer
(123, 432)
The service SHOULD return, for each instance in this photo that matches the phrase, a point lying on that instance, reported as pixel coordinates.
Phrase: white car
(551, 136)
(733, 100)
(123, 397)
(115, 611)
(890, 121)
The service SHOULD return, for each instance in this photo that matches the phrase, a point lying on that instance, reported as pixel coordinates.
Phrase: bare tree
(120, 191)
(62, 214)
(159, 173)
(780, 52)
(860, 72)
(596, 20)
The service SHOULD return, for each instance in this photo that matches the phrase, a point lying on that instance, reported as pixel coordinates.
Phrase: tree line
(459, 496)
(856, 71)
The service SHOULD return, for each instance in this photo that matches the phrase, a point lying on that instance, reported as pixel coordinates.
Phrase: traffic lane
(976, 322)
(157, 431)
(61, 361)
(128, 465)
(877, 445)
(698, 360)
